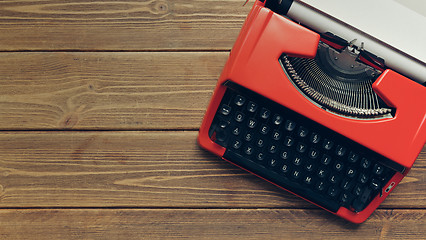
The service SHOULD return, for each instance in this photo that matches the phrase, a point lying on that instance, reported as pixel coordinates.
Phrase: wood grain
(206, 224)
(129, 25)
(144, 169)
(106, 90)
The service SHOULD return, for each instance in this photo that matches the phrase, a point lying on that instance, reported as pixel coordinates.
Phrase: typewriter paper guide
(385, 21)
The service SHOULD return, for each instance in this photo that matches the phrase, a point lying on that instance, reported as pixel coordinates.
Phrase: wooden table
(100, 102)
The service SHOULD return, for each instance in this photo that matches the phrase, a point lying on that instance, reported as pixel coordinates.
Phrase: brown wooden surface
(100, 103)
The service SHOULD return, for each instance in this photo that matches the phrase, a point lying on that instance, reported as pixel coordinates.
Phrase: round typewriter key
(265, 113)
(237, 144)
(320, 186)
(288, 141)
(273, 162)
(225, 110)
(362, 178)
(340, 151)
(378, 169)
(251, 107)
(236, 131)
(248, 137)
(353, 157)
(260, 156)
(251, 123)
(302, 132)
(338, 166)
(327, 144)
(248, 150)
(272, 149)
(277, 119)
(333, 191)
(260, 142)
(284, 155)
(239, 100)
(315, 138)
(285, 168)
(308, 180)
(326, 159)
(365, 163)
(276, 135)
(239, 117)
(290, 125)
(264, 129)
(351, 172)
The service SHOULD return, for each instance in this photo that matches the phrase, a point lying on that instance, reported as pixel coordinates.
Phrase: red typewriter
(307, 106)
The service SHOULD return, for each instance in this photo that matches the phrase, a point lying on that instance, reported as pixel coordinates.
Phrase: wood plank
(106, 90)
(206, 224)
(144, 169)
(120, 25)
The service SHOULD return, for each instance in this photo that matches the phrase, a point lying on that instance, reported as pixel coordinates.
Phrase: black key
(365, 195)
(338, 166)
(237, 144)
(285, 168)
(277, 119)
(284, 155)
(260, 142)
(309, 167)
(378, 169)
(334, 178)
(313, 153)
(346, 184)
(322, 173)
(358, 205)
(320, 186)
(239, 100)
(251, 123)
(346, 198)
(236, 131)
(265, 113)
(315, 138)
(276, 135)
(249, 150)
(353, 157)
(365, 163)
(333, 191)
(264, 129)
(273, 162)
(350, 172)
(225, 110)
(363, 178)
(297, 161)
(296, 174)
(375, 184)
(288, 141)
(272, 148)
(260, 156)
(308, 180)
(340, 151)
(248, 136)
(301, 147)
(251, 107)
(326, 159)
(290, 125)
(327, 144)
(302, 132)
(239, 117)
(357, 190)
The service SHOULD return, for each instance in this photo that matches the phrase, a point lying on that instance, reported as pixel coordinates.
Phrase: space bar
(281, 181)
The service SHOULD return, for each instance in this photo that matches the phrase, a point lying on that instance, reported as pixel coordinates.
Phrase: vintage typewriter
(319, 107)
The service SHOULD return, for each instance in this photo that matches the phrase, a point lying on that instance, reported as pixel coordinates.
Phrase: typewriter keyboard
(297, 153)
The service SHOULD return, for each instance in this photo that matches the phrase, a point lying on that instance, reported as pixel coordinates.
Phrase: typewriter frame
(253, 63)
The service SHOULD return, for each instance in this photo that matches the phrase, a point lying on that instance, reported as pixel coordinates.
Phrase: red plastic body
(253, 63)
